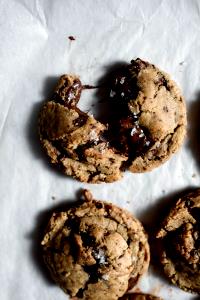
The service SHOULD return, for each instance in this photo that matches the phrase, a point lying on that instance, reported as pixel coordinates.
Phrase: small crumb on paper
(71, 38)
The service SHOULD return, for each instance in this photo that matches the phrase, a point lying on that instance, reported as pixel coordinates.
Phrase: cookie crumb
(53, 198)
(71, 38)
(181, 63)
(194, 175)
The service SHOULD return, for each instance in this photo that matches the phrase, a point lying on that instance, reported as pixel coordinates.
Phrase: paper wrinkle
(154, 14)
(198, 8)
(5, 120)
(40, 15)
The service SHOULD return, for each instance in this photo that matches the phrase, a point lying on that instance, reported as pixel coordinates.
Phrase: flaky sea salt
(122, 80)
(133, 131)
(112, 94)
(93, 135)
(99, 255)
(105, 277)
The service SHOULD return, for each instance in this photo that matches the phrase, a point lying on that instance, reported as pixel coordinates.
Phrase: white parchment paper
(34, 51)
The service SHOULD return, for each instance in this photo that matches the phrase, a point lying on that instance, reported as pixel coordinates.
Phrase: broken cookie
(179, 239)
(95, 250)
(147, 127)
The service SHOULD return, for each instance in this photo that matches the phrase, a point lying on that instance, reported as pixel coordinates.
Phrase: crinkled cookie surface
(179, 238)
(95, 250)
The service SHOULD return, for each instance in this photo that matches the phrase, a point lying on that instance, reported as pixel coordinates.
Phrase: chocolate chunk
(134, 138)
(163, 82)
(123, 86)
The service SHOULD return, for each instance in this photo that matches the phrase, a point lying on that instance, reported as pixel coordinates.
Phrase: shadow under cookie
(38, 232)
(194, 128)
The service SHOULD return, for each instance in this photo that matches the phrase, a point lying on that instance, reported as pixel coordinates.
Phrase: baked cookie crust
(153, 115)
(95, 250)
(179, 239)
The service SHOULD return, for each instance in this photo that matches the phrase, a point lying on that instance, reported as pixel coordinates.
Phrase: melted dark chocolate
(127, 135)
(124, 134)
(123, 86)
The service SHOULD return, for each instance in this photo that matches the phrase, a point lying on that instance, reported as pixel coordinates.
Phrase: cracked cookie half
(152, 115)
(95, 250)
(179, 239)
(74, 140)
(147, 126)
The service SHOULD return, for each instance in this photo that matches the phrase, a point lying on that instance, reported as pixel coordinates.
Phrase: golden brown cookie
(179, 239)
(73, 139)
(95, 250)
(152, 115)
(147, 125)
(139, 296)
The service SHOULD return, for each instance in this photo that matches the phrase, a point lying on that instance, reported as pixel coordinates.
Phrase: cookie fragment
(72, 139)
(95, 250)
(147, 127)
(179, 239)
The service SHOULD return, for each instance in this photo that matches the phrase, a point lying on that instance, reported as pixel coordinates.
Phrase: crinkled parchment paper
(34, 52)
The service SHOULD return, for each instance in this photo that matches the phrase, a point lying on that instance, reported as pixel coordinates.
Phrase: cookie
(95, 250)
(147, 125)
(179, 239)
(73, 139)
(139, 296)
(152, 115)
